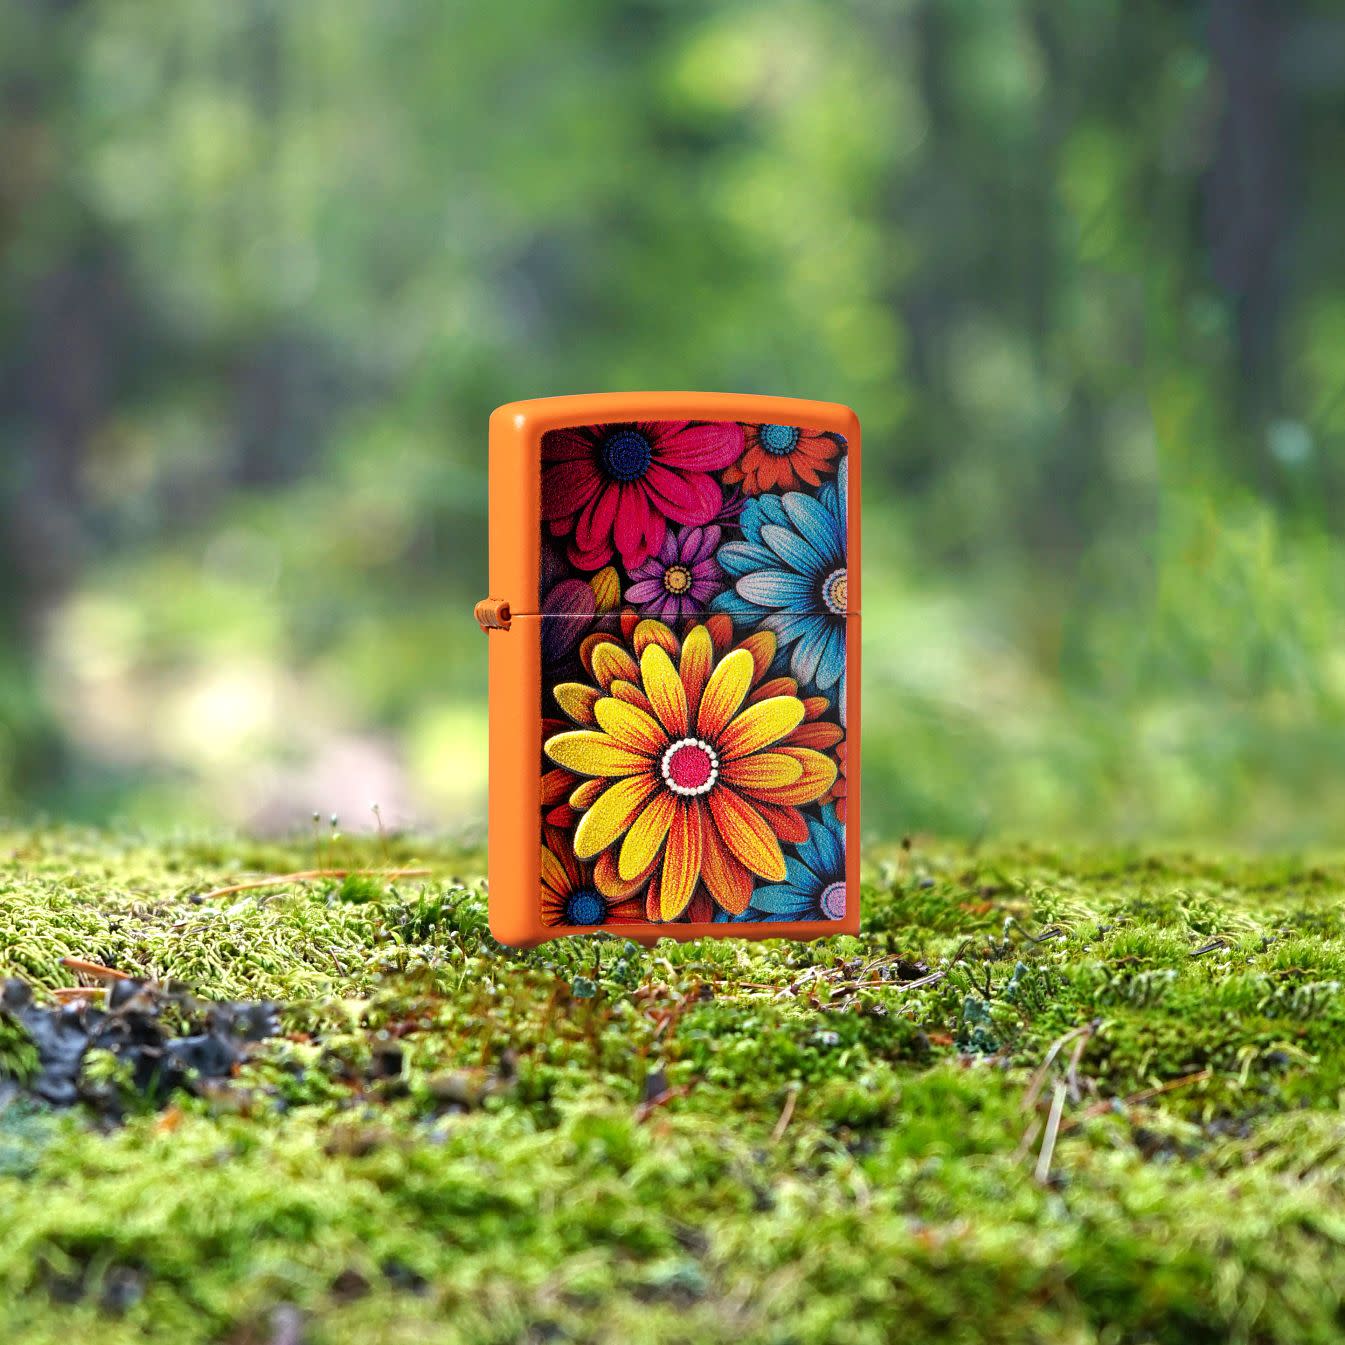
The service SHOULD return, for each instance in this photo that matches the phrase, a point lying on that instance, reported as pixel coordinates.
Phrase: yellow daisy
(694, 768)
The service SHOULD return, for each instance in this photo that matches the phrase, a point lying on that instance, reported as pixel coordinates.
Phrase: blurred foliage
(268, 266)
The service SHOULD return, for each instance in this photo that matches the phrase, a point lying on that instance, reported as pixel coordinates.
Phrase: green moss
(695, 1143)
(18, 1055)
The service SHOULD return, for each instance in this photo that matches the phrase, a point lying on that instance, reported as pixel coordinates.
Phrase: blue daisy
(788, 574)
(814, 885)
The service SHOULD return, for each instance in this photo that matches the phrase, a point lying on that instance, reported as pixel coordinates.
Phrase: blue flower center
(832, 901)
(779, 440)
(585, 907)
(835, 593)
(626, 455)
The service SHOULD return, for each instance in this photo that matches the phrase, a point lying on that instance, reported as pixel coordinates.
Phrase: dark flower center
(585, 906)
(832, 901)
(677, 579)
(779, 440)
(626, 455)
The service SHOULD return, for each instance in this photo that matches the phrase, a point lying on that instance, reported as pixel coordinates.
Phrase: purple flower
(575, 607)
(681, 578)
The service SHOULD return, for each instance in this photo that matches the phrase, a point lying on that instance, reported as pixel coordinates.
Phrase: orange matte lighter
(674, 667)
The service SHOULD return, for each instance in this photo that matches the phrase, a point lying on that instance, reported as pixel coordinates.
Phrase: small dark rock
(210, 1056)
(349, 1285)
(655, 1084)
(401, 1276)
(67, 1289)
(459, 1090)
(690, 1238)
(122, 993)
(133, 1029)
(387, 1062)
(353, 1141)
(245, 1021)
(903, 970)
(123, 1288)
(546, 1332)
(15, 996)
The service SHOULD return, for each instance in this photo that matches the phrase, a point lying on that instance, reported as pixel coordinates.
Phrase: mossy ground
(711, 1142)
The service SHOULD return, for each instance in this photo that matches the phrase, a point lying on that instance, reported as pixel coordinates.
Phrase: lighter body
(674, 636)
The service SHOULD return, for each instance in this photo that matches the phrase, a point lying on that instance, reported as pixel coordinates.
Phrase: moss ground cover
(1064, 1096)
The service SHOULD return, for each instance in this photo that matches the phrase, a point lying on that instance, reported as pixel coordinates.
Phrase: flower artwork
(784, 457)
(681, 578)
(813, 887)
(693, 715)
(789, 574)
(614, 489)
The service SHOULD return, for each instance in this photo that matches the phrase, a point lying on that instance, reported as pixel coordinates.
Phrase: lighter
(674, 667)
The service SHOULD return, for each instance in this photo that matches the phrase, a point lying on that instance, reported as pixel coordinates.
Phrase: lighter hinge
(492, 614)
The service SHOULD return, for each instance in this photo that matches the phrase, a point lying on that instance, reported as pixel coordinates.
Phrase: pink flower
(681, 579)
(616, 487)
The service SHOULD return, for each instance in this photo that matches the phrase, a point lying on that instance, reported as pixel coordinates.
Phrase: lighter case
(674, 634)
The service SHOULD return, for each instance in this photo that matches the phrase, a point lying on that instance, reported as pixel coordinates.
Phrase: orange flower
(570, 896)
(557, 785)
(841, 788)
(783, 457)
(692, 774)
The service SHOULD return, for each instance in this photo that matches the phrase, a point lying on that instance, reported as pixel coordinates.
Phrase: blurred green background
(1078, 264)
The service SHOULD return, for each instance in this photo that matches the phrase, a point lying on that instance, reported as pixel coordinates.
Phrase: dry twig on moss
(311, 876)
